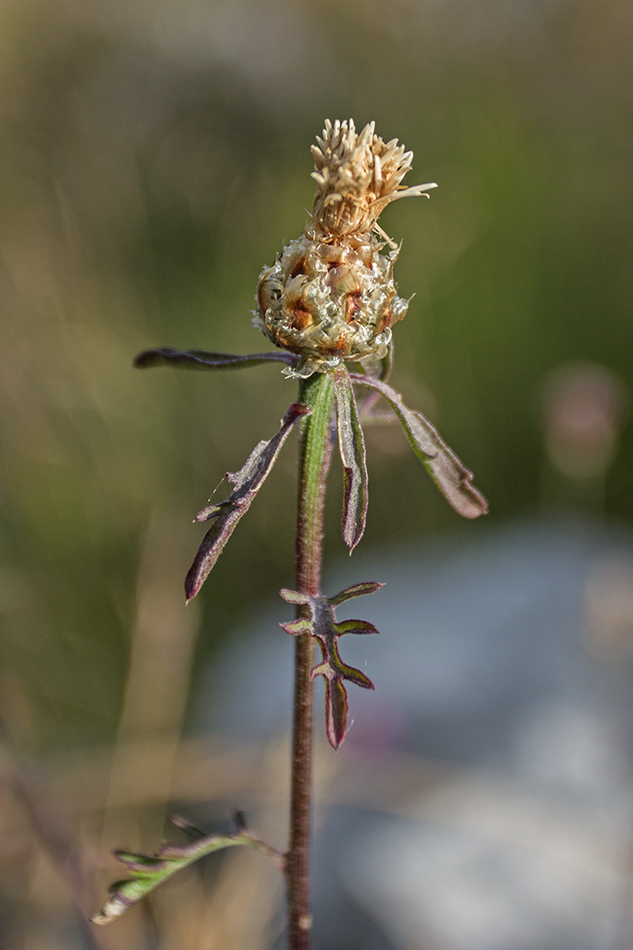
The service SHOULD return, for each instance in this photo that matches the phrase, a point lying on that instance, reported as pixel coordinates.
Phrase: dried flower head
(357, 175)
(330, 295)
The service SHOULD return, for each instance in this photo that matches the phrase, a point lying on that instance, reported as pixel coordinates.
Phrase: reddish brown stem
(315, 452)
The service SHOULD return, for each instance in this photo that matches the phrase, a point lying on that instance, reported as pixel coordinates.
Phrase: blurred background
(154, 157)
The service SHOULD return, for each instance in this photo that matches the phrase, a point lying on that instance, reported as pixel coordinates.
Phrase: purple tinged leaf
(228, 513)
(355, 626)
(447, 471)
(295, 597)
(323, 626)
(296, 627)
(341, 672)
(352, 448)
(336, 709)
(201, 359)
(356, 590)
(333, 667)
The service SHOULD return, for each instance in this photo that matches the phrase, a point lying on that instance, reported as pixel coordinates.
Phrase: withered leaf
(449, 474)
(203, 359)
(228, 513)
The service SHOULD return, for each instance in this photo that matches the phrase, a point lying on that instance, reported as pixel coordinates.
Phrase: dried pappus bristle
(357, 175)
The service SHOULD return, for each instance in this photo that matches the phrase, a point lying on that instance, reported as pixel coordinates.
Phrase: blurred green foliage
(153, 158)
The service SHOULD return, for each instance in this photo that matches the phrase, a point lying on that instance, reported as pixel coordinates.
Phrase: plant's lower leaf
(228, 513)
(447, 471)
(352, 448)
(146, 873)
(202, 359)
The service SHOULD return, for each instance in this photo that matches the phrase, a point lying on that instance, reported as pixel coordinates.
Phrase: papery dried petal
(357, 175)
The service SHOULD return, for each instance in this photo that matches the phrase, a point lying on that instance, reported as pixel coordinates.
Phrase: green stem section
(315, 453)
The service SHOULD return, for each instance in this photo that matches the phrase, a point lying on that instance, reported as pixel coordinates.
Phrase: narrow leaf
(228, 513)
(355, 626)
(201, 359)
(352, 448)
(296, 627)
(352, 675)
(447, 471)
(356, 590)
(336, 709)
(294, 597)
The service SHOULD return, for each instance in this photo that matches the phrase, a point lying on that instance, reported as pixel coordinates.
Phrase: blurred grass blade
(146, 873)
(447, 471)
(201, 359)
(228, 513)
(352, 448)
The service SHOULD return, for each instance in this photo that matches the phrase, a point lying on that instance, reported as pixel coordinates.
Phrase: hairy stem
(315, 452)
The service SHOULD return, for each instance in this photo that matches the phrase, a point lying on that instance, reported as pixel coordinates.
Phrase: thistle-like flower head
(330, 295)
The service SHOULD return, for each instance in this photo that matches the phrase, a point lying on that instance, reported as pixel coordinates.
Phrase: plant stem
(315, 452)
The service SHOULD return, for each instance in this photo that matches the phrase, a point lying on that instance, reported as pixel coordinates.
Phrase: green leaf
(201, 359)
(352, 448)
(146, 873)
(228, 513)
(447, 471)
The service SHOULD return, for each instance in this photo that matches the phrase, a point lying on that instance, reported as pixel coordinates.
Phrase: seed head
(330, 295)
